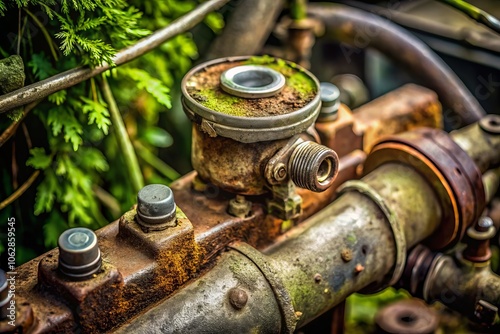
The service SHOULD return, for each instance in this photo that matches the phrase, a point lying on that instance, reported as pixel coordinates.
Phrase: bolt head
(484, 224)
(155, 200)
(79, 254)
(238, 298)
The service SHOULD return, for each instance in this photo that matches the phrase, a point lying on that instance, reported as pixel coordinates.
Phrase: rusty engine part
(260, 170)
(244, 111)
(140, 267)
(394, 202)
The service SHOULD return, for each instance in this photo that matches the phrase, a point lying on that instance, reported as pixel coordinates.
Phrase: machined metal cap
(251, 99)
(252, 81)
(330, 101)
(79, 254)
(156, 207)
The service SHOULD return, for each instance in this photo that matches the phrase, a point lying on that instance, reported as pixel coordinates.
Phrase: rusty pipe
(454, 281)
(361, 29)
(354, 244)
(247, 29)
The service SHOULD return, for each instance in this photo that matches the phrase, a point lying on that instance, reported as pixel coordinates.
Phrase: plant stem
(9, 132)
(45, 33)
(16, 194)
(156, 163)
(298, 9)
(108, 200)
(19, 34)
(123, 138)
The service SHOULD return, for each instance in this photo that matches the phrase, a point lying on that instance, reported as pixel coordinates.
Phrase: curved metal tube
(362, 29)
(74, 76)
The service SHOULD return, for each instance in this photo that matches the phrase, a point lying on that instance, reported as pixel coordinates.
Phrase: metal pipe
(362, 29)
(74, 76)
(247, 29)
(354, 244)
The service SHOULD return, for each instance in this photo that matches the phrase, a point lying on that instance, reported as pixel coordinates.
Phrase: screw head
(238, 298)
(484, 224)
(79, 254)
(156, 207)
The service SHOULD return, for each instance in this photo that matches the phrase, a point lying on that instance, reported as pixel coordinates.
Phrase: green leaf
(62, 119)
(91, 158)
(46, 193)
(215, 21)
(98, 114)
(152, 85)
(58, 97)
(41, 66)
(39, 159)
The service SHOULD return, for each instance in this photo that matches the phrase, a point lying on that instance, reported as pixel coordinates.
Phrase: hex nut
(239, 207)
(79, 254)
(156, 209)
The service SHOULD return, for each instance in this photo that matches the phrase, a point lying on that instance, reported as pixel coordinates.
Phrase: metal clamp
(397, 231)
(282, 296)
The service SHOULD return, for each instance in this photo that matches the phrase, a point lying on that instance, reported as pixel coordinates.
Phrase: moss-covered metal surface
(299, 90)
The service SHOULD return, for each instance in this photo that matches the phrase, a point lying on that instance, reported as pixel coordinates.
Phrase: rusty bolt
(239, 206)
(346, 255)
(279, 172)
(485, 312)
(317, 278)
(238, 298)
(359, 268)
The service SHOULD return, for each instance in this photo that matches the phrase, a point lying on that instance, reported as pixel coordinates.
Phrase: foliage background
(86, 177)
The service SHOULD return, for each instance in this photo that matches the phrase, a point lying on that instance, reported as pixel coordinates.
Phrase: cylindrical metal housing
(244, 110)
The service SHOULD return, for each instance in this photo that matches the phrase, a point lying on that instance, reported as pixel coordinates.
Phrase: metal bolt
(156, 208)
(239, 206)
(484, 224)
(279, 172)
(485, 312)
(238, 298)
(346, 255)
(330, 102)
(4, 295)
(79, 254)
(240, 199)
